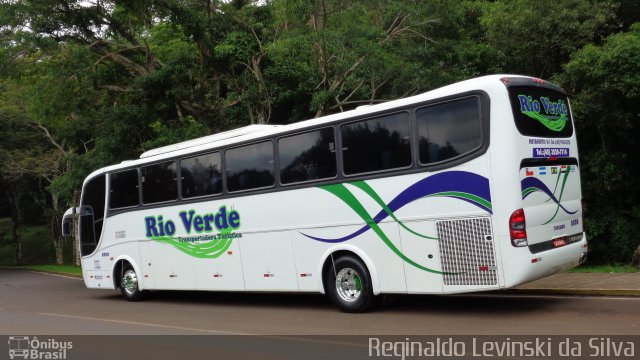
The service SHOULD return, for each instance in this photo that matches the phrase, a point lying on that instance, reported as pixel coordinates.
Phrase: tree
(348, 52)
(537, 37)
(605, 83)
(84, 84)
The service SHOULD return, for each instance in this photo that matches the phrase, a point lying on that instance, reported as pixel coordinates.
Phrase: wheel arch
(342, 250)
(118, 266)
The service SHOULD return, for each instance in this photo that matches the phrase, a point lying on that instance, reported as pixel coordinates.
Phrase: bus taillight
(518, 228)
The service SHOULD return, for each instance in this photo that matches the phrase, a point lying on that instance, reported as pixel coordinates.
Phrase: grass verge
(57, 269)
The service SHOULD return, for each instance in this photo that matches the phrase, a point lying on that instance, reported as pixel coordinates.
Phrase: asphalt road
(37, 303)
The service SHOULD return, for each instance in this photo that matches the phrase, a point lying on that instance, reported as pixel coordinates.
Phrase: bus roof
(250, 132)
(211, 139)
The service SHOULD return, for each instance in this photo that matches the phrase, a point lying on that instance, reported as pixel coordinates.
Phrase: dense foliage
(85, 83)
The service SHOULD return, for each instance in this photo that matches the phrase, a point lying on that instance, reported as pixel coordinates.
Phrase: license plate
(559, 242)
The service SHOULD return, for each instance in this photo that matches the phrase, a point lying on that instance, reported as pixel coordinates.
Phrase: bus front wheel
(129, 284)
(349, 285)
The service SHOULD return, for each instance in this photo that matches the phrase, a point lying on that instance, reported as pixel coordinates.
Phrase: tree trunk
(56, 235)
(59, 247)
(16, 226)
(635, 260)
(16, 221)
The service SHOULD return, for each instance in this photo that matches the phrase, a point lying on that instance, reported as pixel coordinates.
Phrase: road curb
(594, 292)
(41, 271)
(55, 273)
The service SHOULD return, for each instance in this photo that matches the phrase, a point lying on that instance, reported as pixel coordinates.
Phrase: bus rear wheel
(349, 285)
(129, 284)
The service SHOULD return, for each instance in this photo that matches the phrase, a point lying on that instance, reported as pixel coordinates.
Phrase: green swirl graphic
(551, 123)
(205, 250)
(341, 191)
(374, 195)
(564, 183)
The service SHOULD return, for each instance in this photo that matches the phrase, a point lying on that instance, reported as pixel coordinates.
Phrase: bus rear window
(540, 112)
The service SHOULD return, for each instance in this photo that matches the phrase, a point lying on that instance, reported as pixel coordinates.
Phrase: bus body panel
(513, 167)
(268, 262)
(173, 269)
(551, 201)
(226, 273)
(144, 248)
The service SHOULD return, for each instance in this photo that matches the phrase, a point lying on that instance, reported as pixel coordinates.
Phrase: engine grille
(466, 251)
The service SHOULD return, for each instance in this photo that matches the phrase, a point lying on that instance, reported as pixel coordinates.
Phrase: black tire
(129, 286)
(352, 292)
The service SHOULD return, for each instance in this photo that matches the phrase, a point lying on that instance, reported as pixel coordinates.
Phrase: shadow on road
(466, 304)
(474, 303)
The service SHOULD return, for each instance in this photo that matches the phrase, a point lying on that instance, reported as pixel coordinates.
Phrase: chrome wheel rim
(130, 282)
(348, 284)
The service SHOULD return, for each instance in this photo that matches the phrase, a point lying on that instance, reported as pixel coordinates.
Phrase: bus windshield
(540, 112)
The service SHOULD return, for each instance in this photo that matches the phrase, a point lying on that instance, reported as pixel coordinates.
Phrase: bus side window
(123, 190)
(201, 175)
(250, 167)
(159, 182)
(376, 144)
(307, 156)
(448, 130)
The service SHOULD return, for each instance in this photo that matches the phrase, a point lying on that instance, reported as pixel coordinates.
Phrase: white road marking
(58, 275)
(218, 332)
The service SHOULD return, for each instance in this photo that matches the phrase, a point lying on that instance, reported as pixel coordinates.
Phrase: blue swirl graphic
(537, 185)
(461, 185)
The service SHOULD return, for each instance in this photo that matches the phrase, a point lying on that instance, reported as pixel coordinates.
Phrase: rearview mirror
(66, 227)
(67, 218)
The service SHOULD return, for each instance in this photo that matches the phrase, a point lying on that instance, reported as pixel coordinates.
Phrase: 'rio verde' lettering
(157, 227)
(191, 221)
(529, 104)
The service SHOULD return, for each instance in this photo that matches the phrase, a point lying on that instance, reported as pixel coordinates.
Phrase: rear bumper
(545, 263)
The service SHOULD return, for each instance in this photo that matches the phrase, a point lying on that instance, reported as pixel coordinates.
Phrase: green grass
(37, 247)
(57, 269)
(604, 269)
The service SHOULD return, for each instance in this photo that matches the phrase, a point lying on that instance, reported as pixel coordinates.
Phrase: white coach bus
(471, 187)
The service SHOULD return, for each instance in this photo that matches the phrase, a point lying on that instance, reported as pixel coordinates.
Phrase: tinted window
(201, 175)
(540, 112)
(376, 144)
(124, 189)
(159, 182)
(448, 130)
(250, 167)
(307, 156)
